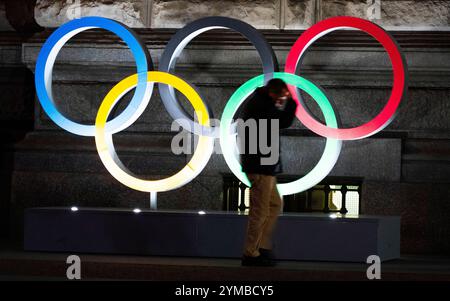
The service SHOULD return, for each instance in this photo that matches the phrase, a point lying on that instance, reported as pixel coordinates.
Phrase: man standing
(268, 106)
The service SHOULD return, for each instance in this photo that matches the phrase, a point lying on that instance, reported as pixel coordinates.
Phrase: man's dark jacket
(261, 106)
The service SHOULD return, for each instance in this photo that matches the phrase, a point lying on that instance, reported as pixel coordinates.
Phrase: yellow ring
(108, 155)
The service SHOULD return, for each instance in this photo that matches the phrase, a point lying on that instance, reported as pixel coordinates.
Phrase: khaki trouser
(265, 206)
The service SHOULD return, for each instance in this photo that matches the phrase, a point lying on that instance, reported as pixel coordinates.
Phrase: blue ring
(143, 64)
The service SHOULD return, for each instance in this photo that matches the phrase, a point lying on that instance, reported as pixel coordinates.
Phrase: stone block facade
(263, 14)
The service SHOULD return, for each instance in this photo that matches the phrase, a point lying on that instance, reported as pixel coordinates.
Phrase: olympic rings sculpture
(145, 78)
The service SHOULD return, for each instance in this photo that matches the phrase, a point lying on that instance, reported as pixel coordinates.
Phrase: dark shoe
(267, 254)
(259, 261)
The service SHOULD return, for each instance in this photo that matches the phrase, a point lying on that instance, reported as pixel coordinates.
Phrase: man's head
(277, 90)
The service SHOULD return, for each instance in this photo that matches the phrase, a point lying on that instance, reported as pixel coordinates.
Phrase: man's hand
(280, 102)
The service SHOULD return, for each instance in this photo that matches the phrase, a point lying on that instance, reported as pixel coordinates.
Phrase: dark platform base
(214, 234)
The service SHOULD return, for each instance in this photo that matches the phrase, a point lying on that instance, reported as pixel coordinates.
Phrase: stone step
(320, 237)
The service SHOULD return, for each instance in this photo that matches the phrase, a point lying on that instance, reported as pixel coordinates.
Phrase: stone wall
(52, 13)
(393, 13)
(263, 14)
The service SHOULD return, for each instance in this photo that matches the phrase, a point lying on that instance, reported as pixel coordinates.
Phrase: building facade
(404, 170)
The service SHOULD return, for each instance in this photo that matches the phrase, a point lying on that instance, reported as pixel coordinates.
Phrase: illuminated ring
(46, 60)
(183, 37)
(105, 146)
(385, 117)
(228, 143)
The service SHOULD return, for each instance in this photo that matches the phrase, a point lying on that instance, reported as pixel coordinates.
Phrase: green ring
(332, 147)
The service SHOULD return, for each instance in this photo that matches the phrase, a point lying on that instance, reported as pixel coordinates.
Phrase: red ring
(399, 69)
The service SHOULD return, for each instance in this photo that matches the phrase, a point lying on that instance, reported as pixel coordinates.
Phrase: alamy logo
(374, 270)
(74, 270)
(252, 133)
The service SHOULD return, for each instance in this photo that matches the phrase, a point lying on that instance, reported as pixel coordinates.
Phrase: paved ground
(20, 265)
